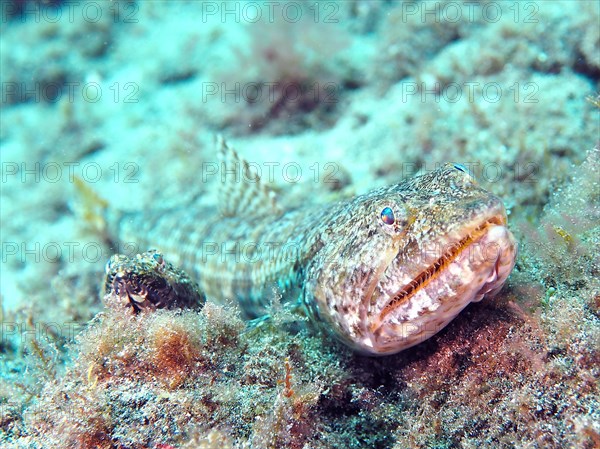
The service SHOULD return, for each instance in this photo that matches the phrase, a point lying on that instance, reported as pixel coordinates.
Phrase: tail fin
(94, 212)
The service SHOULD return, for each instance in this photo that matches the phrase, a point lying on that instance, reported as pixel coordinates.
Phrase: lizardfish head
(399, 263)
(147, 281)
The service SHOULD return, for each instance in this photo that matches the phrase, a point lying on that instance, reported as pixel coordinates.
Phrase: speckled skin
(379, 288)
(147, 281)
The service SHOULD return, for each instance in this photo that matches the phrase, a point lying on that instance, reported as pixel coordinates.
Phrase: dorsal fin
(241, 190)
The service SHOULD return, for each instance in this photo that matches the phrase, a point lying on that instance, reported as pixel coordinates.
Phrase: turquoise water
(115, 106)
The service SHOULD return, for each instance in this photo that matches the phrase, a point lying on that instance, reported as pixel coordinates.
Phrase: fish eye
(158, 258)
(393, 218)
(460, 167)
(387, 216)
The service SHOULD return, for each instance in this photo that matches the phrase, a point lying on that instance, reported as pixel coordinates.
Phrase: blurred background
(115, 105)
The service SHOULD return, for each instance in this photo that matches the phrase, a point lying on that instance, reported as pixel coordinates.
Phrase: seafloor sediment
(114, 106)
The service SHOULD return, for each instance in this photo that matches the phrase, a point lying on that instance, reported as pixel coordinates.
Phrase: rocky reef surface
(115, 105)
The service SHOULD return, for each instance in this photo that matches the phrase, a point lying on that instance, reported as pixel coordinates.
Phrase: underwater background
(115, 105)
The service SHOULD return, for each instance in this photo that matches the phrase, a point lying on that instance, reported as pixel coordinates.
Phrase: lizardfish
(381, 271)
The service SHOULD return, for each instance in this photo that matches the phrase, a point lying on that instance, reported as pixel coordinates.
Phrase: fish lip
(378, 271)
(495, 216)
(139, 290)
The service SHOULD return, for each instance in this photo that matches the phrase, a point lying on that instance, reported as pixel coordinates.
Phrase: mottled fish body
(382, 271)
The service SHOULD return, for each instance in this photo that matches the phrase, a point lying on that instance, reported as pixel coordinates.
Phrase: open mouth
(437, 267)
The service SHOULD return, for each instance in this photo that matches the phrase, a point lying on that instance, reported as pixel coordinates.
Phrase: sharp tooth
(492, 277)
(137, 298)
